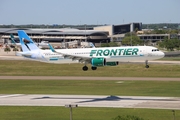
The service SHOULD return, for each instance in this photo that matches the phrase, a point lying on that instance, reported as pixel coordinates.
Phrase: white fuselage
(122, 54)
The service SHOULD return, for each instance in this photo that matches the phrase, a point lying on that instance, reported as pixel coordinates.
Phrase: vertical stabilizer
(92, 45)
(12, 39)
(27, 43)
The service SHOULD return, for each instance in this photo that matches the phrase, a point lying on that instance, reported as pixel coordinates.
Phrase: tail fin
(27, 43)
(51, 48)
(12, 39)
(92, 45)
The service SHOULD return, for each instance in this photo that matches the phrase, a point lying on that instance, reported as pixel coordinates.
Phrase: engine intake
(98, 62)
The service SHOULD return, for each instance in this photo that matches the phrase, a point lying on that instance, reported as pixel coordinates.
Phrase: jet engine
(98, 62)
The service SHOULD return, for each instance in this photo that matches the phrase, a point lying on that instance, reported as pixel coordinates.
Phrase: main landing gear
(85, 68)
(146, 62)
(93, 68)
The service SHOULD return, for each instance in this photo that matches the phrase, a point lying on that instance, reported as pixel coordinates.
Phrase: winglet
(51, 48)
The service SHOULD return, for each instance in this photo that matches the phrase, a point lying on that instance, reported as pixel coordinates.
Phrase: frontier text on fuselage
(114, 52)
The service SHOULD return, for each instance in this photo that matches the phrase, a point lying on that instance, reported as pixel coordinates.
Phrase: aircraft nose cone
(162, 54)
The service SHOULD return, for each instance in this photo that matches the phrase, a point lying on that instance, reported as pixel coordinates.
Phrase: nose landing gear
(146, 62)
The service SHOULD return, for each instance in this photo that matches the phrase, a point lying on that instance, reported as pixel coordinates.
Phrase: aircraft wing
(79, 58)
(73, 57)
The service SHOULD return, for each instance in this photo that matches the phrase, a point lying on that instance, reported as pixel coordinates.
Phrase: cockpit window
(153, 50)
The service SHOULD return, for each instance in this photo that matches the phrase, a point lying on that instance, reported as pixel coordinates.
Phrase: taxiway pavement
(85, 78)
(90, 101)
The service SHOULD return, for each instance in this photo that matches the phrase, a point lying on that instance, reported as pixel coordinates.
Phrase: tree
(105, 45)
(132, 40)
(174, 31)
(111, 44)
(170, 44)
(156, 31)
(15, 49)
(7, 49)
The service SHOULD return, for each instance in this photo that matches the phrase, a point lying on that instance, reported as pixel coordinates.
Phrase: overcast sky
(82, 12)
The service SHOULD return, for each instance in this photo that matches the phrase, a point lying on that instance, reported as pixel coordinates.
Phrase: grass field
(132, 88)
(91, 87)
(146, 88)
(80, 113)
(171, 58)
(25, 68)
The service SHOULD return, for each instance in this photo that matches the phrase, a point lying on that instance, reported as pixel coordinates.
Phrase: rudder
(12, 39)
(27, 43)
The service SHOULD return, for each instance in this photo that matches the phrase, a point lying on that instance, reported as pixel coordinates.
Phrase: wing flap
(73, 57)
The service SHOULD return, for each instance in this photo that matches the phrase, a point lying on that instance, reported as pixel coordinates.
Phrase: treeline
(161, 26)
(144, 26)
(131, 39)
(43, 26)
(163, 31)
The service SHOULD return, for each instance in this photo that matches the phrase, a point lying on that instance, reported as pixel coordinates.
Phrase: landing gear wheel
(146, 62)
(85, 68)
(147, 66)
(93, 68)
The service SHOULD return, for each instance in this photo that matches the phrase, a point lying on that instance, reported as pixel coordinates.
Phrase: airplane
(41, 45)
(13, 41)
(91, 45)
(97, 57)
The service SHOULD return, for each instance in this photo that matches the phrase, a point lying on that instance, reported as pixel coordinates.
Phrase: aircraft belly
(127, 59)
(64, 61)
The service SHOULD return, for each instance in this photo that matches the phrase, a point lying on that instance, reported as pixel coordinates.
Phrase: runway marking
(12, 95)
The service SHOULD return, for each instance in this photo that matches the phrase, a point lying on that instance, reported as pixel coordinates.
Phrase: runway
(91, 101)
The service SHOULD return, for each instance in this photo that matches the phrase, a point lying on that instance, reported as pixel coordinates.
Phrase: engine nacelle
(112, 63)
(98, 62)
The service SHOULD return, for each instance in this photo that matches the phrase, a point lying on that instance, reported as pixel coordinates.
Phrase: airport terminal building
(57, 35)
(96, 35)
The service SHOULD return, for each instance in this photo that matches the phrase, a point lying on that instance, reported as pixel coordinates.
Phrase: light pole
(173, 114)
(71, 106)
(131, 38)
(63, 37)
(85, 34)
(101, 42)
